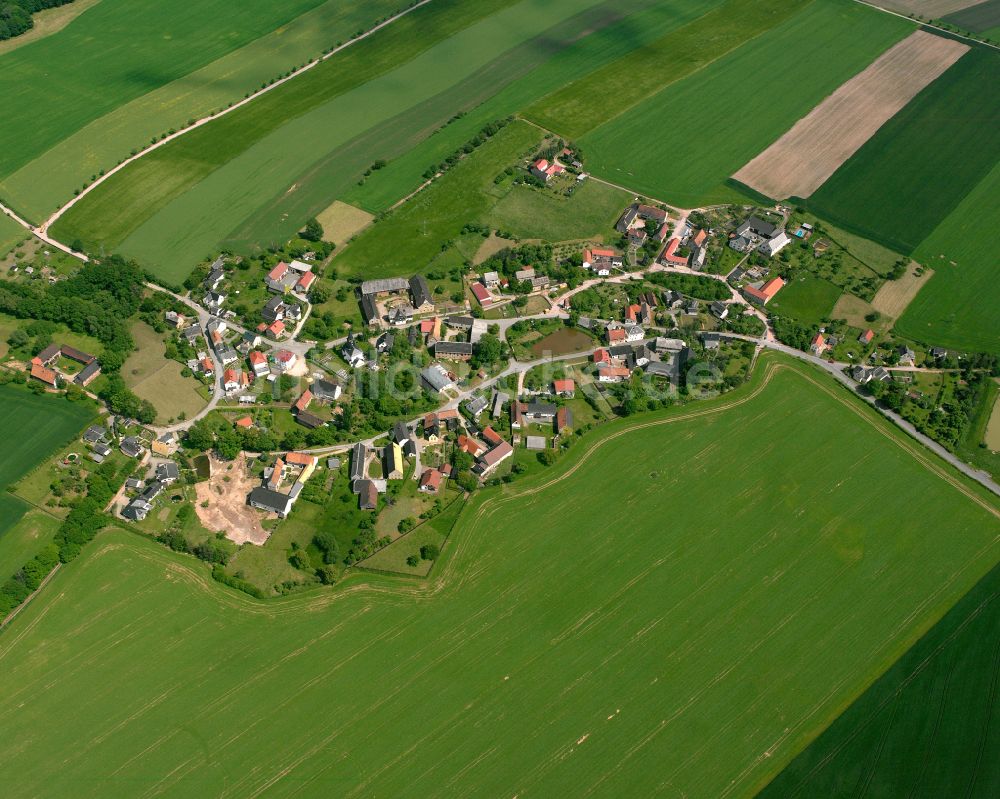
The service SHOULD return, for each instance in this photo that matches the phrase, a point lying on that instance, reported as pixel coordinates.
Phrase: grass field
(958, 306)
(342, 221)
(383, 98)
(413, 235)
(113, 53)
(155, 378)
(926, 728)
(651, 147)
(286, 146)
(50, 179)
(979, 18)
(922, 163)
(581, 105)
(700, 646)
(806, 298)
(539, 214)
(36, 426)
(10, 233)
(21, 541)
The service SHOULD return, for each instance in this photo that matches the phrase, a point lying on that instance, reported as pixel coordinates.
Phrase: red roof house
(668, 255)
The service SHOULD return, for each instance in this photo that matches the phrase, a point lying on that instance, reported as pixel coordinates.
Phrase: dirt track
(804, 158)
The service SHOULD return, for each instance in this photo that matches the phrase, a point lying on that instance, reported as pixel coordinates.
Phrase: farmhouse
(482, 295)
(671, 257)
(636, 215)
(601, 261)
(88, 374)
(493, 458)
(613, 374)
(452, 350)
(818, 345)
(44, 375)
(564, 388)
(544, 170)
(266, 499)
(437, 378)
(394, 466)
(765, 293)
(367, 495)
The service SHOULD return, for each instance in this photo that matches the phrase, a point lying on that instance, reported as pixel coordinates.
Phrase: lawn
(806, 298)
(115, 52)
(36, 427)
(558, 651)
(912, 174)
(958, 306)
(432, 532)
(926, 728)
(154, 377)
(652, 147)
(50, 179)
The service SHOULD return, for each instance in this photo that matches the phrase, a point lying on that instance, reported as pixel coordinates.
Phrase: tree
(326, 542)
(412, 561)
(488, 350)
(199, 436)
(313, 231)
(429, 552)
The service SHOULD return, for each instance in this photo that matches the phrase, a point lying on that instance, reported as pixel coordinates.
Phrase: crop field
(804, 158)
(10, 233)
(342, 221)
(926, 728)
(113, 53)
(651, 149)
(922, 163)
(572, 109)
(24, 539)
(601, 46)
(255, 178)
(958, 306)
(556, 651)
(51, 421)
(416, 232)
(154, 377)
(284, 147)
(978, 18)
(48, 180)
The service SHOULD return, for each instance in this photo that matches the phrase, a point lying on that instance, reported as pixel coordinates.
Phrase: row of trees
(16, 15)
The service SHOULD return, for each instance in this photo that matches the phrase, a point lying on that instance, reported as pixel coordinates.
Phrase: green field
(254, 179)
(701, 644)
(413, 236)
(50, 178)
(115, 52)
(579, 106)
(980, 18)
(653, 147)
(806, 298)
(36, 426)
(10, 233)
(24, 539)
(958, 306)
(929, 727)
(154, 377)
(919, 166)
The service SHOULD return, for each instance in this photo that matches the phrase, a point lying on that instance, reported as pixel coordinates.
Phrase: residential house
(818, 345)
(401, 436)
(174, 319)
(167, 472)
(772, 246)
(491, 280)
(544, 170)
(430, 481)
(88, 374)
(470, 445)
(258, 363)
(497, 401)
(564, 388)
(670, 256)
(95, 433)
(45, 375)
(907, 357)
(540, 411)
(476, 405)
(326, 390)
(866, 337)
(132, 447)
(394, 466)
(275, 279)
(710, 341)
(230, 381)
(284, 360)
(613, 374)
(719, 310)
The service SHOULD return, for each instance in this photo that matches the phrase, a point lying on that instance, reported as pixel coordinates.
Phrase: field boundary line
(924, 24)
(10, 616)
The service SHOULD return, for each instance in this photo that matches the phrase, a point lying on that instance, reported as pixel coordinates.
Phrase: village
(432, 395)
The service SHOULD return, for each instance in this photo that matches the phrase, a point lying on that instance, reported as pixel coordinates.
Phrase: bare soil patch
(807, 155)
(341, 221)
(895, 295)
(929, 9)
(226, 494)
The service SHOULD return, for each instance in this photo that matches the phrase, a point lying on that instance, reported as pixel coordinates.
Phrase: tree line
(16, 15)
